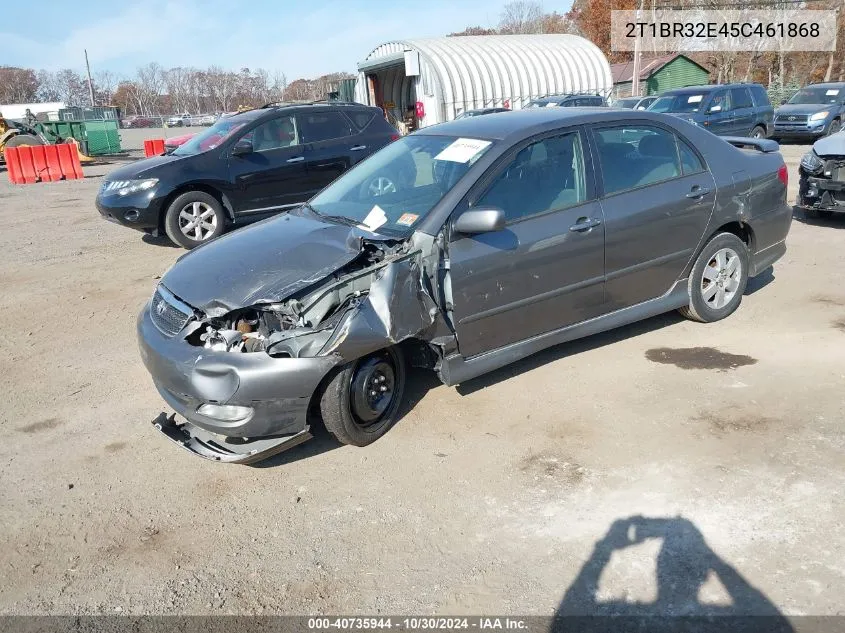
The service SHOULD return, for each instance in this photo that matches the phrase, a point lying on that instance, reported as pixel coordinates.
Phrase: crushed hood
(262, 263)
(833, 145)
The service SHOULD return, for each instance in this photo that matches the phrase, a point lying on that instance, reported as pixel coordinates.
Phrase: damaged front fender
(397, 307)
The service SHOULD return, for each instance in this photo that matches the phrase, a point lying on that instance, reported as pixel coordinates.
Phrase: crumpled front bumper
(279, 390)
(821, 193)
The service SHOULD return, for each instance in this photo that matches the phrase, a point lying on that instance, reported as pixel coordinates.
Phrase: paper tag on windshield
(831, 93)
(463, 150)
(375, 218)
(694, 99)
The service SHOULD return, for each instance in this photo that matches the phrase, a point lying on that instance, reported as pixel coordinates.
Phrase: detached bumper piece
(231, 450)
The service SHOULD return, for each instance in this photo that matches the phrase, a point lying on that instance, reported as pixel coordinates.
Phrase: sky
(304, 38)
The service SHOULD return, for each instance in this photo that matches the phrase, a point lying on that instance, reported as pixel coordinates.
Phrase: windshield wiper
(340, 219)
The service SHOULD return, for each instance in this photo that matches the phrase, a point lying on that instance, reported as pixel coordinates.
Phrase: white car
(178, 120)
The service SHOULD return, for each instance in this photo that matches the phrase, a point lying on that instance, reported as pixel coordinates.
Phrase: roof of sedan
(532, 121)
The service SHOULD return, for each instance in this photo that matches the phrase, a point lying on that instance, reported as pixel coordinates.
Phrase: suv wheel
(718, 279)
(193, 218)
(834, 127)
(758, 132)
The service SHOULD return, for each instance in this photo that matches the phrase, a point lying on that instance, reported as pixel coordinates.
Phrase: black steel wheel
(363, 399)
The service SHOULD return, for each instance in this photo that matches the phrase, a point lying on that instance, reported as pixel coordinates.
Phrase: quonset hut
(445, 76)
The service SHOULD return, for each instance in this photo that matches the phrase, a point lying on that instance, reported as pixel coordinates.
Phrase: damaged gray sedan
(460, 248)
(821, 188)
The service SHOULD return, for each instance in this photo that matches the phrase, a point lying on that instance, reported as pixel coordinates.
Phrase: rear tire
(758, 132)
(193, 218)
(363, 399)
(718, 279)
(21, 140)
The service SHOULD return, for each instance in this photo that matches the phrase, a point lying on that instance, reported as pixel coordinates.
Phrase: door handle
(357, 148)
(584, 224)
(298, 159)
(697, 192)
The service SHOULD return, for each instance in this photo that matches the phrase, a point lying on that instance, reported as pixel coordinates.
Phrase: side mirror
(715, 108)
(484, 220)
(243, 146)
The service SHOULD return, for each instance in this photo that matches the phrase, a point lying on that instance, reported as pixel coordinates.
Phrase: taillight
(394, 137)
(783, 175)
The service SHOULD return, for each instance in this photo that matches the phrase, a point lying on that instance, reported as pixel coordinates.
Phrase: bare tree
(17, 85)
(522, 16)
(179, 83)
(105, 83)
(148, 88)
(70, 87)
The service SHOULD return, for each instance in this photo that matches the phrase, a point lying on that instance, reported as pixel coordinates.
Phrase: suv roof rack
(283, 104)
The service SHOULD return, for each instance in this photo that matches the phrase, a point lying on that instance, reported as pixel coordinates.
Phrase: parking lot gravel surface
(667, 458)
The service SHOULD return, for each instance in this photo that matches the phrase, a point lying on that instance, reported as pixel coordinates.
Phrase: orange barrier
(154, 147)
(29, 164)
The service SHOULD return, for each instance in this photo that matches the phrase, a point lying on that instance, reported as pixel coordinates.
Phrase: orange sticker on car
(407, 219)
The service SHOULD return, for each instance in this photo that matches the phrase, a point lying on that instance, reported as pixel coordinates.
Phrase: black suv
(244, 168)
(568, 101)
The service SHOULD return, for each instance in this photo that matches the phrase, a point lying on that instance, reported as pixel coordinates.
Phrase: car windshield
(394, 189)
(818, 95)
(687, 102)
(212, 137)
(627, 103)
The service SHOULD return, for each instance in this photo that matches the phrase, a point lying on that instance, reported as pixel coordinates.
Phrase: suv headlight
(819, 116)
(811, 163)
(126, 187)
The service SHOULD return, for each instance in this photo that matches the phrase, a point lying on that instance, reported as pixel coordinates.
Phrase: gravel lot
(508, 495)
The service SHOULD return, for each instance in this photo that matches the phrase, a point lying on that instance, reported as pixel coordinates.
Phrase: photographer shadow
(683, 566)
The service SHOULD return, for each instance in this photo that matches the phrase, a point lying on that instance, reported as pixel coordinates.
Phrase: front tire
(362, 401)
(758, 132)
(718, 279)
(193, 218)
(834, 127)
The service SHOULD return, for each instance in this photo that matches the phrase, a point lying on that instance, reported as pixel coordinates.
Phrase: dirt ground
(517, 493)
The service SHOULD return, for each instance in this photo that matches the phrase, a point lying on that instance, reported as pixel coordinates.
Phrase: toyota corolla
(460, 248)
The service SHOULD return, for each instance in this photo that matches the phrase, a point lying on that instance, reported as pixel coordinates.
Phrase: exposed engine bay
(822, 171)
(378, 298)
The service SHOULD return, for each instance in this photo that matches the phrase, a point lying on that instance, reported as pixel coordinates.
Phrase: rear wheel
(21, 140)
(758, 132)
(362, 401)
(718, 279)
(193, 218)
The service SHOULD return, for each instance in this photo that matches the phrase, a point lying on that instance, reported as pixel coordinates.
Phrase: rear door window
(323, 126)
(741, 98)
(361, 118)
(761, 97)
(634, 156)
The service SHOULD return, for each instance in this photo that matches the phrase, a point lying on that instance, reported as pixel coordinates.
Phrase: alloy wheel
(197, 221)
(721, 278)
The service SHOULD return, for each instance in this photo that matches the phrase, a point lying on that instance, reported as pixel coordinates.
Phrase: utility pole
(635, 80)
(90, 83)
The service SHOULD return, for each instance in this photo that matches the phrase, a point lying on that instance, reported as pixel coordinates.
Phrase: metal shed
(445, 76)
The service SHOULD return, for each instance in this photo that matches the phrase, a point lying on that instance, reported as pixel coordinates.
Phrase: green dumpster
(100, 137)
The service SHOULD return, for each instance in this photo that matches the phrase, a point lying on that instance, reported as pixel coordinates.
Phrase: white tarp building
(450, 75)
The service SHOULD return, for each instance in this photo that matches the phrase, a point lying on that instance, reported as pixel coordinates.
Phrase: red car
(134, 120)
(175, 141)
